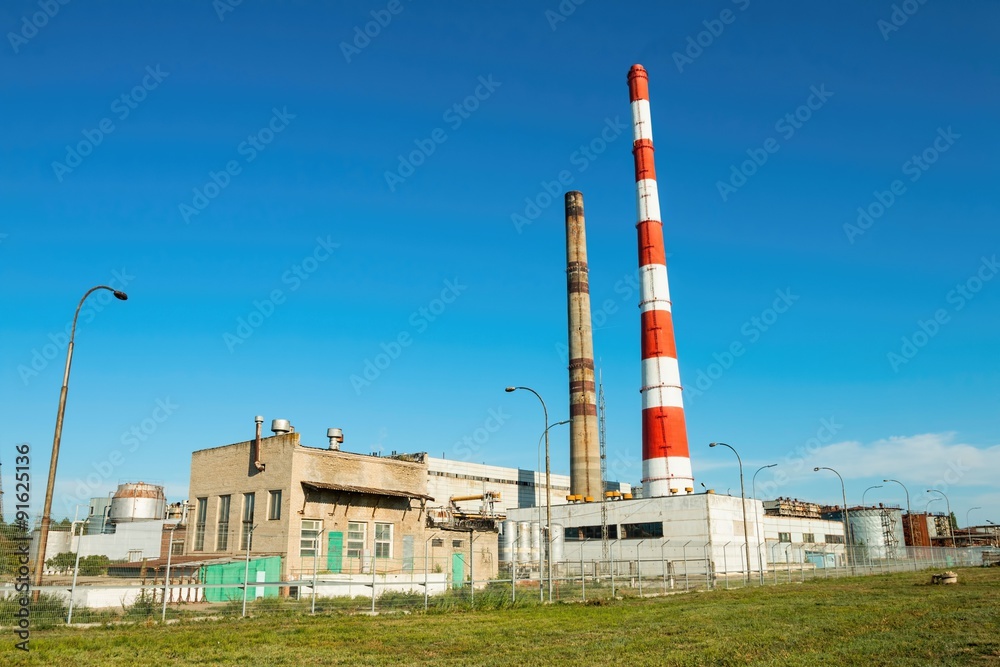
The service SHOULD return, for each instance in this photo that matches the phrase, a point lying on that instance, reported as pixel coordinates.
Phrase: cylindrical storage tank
(878, 530)
(97, 521)
(137, 501)
(536, 541)
(558, 543)
(523, 548)
(508, 536)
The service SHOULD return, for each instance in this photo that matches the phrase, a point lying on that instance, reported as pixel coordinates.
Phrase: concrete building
(704, 532)
(518, 487)
(337, 511)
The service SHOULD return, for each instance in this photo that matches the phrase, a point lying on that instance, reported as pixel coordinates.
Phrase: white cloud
(931, 459)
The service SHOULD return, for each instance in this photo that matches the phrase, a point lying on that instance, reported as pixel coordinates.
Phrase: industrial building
(342, 512)
(131, 525)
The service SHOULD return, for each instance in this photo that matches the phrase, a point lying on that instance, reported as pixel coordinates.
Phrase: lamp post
(426, 542)
(548, 478)
(843, 491)
(246, 570)
(866, 493)
(43, 530)
(548, 497)
(951, 533)
(76, 567)
(909, 515)
(968, 527)
(743, 505)
(756, 521)
(166, 577)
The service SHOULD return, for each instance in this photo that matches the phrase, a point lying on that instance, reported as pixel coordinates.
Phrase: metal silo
(536, 541)
(523, 547)
(879, 530)
(137, 501)
(508, 537)
(558, 543)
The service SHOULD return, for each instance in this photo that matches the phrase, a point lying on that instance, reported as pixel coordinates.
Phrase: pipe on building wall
(666, 463)
(584, 446)
(256, 445)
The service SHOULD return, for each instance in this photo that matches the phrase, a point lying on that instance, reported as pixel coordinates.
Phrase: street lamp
(843, 491)
(968, 527)
(549, 500)
(43, 530)
(951, 533)
(743, 504)
(756, 521)
(879, 486)
(909, 514)
(548, 476)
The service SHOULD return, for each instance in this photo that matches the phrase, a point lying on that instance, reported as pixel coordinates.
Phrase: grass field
(880, 620)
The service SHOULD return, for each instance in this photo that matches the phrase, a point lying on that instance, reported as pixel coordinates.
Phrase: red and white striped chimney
(666, 464)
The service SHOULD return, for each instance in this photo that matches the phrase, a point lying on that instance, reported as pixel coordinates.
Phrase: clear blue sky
(309, 118)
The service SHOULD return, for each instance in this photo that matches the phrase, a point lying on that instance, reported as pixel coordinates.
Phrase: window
(177, 548)
(592, 532)
(222, 534)
(248, 503)
(199, 525)
(356, 539)
(834, 539)
(383, 540)
(274, 505)
(456, 544)
(784, 537)
(808, 537)
(437, 542)
(309, 537)
(635, 530)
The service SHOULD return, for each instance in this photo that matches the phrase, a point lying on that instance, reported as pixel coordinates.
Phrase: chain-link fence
(93, 590)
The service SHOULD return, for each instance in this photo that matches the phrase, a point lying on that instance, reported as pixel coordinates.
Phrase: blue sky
(219, 160)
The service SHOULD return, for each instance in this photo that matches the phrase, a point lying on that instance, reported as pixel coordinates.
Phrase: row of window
(354, 545)
(628, 531)
(810, 538)
(479, 478)
(222, 522)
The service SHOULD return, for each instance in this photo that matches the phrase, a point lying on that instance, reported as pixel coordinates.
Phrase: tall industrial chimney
(666, 464)
(584, 447)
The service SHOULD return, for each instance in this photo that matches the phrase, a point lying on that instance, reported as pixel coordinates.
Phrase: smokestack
(584, 447)
(666, 464)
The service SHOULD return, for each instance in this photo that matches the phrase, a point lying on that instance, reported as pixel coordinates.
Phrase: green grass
(880, 620)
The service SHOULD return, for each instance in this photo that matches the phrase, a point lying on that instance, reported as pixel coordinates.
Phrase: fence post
(725, 562)
(373, 582)
(583, 575)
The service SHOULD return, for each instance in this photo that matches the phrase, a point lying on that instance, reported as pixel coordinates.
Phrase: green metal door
(335, 552)
(457, 570)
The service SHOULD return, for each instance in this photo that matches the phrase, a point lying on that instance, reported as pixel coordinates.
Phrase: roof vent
(280, 426)
(336, 436)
